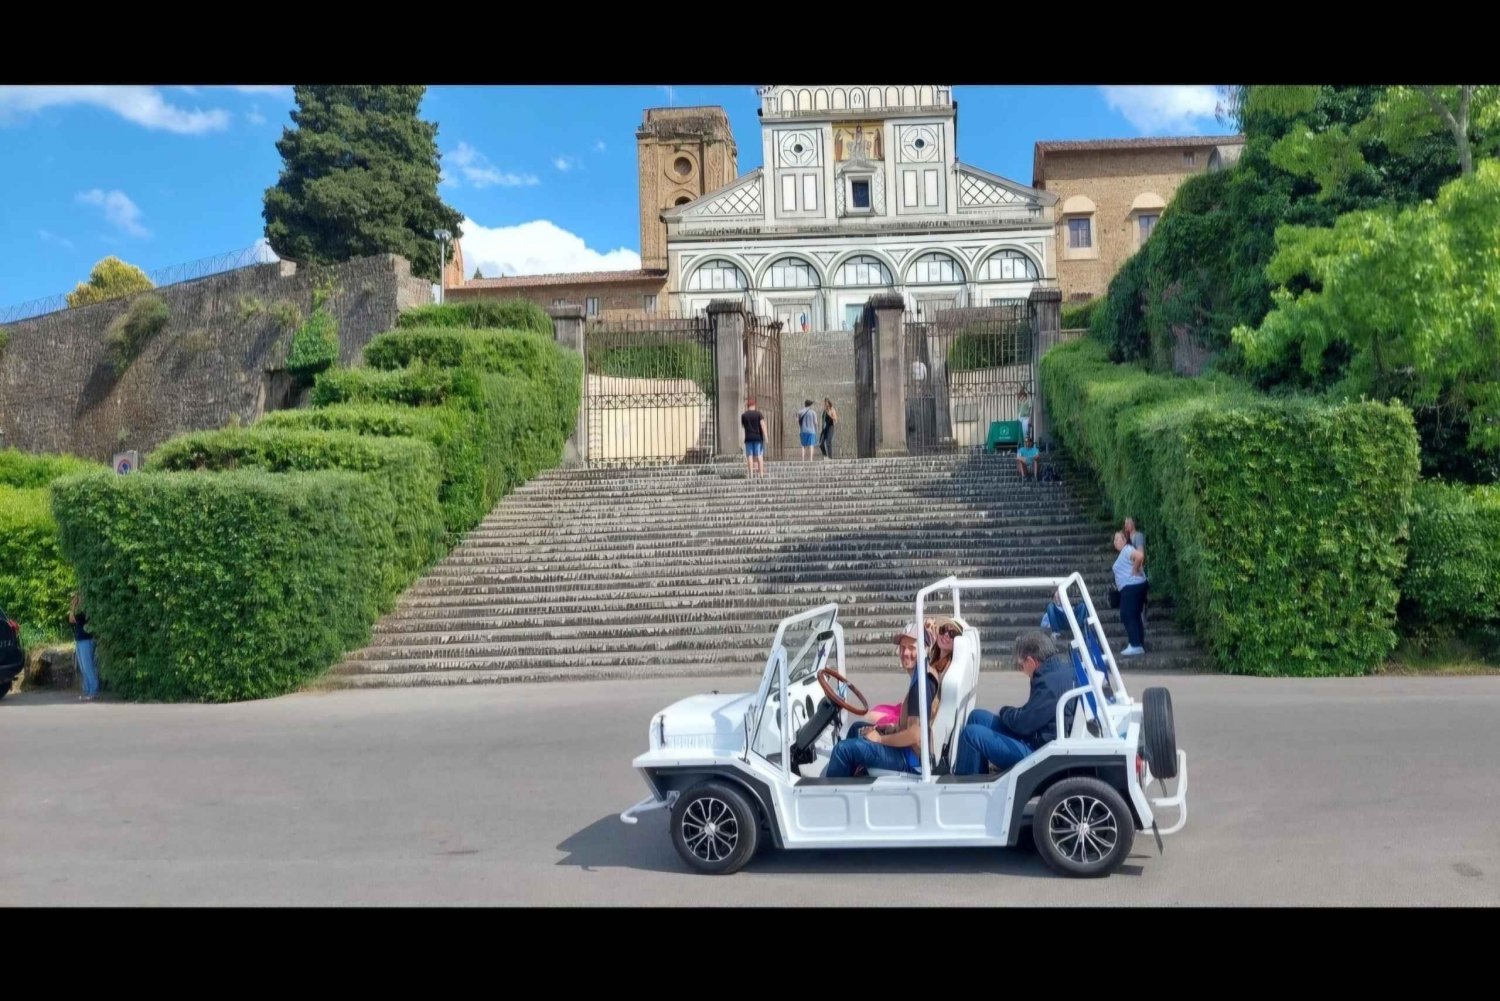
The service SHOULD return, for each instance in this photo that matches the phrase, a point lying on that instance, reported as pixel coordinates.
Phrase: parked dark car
(12, 657)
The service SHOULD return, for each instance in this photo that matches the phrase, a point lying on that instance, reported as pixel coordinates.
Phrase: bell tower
(681, 153)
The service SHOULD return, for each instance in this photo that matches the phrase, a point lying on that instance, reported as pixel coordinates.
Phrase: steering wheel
(827, 677)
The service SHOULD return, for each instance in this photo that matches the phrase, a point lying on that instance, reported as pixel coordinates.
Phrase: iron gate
(650, 391)
(763, 377)
(966, 368)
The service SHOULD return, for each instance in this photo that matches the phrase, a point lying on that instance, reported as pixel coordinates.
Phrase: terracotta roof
(1143, 142)
(572, 278)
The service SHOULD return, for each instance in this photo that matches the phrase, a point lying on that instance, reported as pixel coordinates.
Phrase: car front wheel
(1083, 827)
(714, 828)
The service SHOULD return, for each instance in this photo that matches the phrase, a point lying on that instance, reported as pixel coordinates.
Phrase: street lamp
(442, 236)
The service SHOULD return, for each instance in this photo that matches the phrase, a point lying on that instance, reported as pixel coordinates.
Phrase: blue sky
(545, 176)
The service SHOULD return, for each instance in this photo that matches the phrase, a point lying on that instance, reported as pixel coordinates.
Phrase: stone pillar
(567, 327)
(727, 316)
(890, 373)
(1046, 327)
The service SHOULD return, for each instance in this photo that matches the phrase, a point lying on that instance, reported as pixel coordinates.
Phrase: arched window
(715, 275)
(863, 270)
(1008, 266)
(789, 272)
(936, 269)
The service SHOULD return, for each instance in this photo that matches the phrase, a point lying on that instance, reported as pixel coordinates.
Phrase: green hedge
(981, 350)
(235, 585)
(36, 583)
(1452, 578)
(409, 470)
(510, 314)
(418, 386)
(673, 360)
(1081, 315)
(501, 352)
(1278, 525)
(456, 432)
(24, 469)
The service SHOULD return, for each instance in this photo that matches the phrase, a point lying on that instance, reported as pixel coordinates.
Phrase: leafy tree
(1402, 120)
(1400, 303)
(359, 176)
(110, 279)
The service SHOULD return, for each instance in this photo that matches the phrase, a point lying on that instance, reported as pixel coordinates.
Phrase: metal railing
(258, 253)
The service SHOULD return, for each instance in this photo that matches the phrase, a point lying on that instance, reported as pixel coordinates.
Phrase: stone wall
(617, 300)
(219, 358)
(1111, 179)
(815, 365)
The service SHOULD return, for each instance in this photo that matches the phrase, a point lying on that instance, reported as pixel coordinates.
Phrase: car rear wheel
(1160, 732)
(1083, 827)
(714, 828)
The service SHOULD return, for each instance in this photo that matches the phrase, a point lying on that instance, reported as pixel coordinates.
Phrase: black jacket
(1036, 721)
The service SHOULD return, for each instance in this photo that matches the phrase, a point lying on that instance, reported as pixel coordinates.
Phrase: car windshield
(804, 653)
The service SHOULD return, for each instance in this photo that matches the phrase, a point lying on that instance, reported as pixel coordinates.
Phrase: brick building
(1111, 192)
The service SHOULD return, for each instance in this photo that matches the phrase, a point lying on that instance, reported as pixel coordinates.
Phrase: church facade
(861, 193)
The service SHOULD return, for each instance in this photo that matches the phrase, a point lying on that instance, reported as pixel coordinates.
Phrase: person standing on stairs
(1130, 579)
(807, 427)
(830, 418)
(754, 423)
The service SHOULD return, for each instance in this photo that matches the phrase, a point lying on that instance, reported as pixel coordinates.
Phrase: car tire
(1083, 827)
(715, 828)
(1160, 732)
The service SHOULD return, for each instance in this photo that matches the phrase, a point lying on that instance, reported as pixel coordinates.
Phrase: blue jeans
(755, 449)
(983, 742)
(1132, 605)
(85, 650)
(855, 750)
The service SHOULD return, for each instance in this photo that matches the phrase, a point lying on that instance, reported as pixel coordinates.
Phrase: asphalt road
(1378, 791)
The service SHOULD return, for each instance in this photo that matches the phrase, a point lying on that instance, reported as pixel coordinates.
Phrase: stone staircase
(686, 570)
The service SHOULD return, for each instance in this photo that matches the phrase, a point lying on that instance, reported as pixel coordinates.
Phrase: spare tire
(1159, 733)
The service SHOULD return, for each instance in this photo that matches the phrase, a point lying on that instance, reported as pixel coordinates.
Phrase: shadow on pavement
(607, 843)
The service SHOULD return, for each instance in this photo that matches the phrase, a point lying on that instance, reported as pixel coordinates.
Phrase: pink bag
(886, 714)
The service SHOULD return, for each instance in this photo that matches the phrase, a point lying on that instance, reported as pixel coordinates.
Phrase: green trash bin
(1003, 434)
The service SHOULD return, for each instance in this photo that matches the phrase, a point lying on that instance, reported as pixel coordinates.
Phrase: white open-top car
(731, 773)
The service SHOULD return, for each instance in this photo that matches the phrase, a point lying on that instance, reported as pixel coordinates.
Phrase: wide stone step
(607, 627)
(782, 557)
(534, 665)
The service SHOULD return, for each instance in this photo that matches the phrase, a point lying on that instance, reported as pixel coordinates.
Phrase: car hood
(704, 722)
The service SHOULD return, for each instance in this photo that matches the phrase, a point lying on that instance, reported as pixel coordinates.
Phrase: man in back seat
(1002, 739)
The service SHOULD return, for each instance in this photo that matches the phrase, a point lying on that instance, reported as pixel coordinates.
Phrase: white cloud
(141, 105)
(277, 89)
(565, 163)
(1174, 110)
(599, 145)
(536, 248)
(671, 93)
(255, 117)
(121, 212)
(54, 238)
(263, 253)
(478, 171)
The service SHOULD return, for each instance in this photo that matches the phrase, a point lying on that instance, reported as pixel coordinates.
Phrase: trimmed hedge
(407, 468)
(36, 583)
(419, 386)
(235, 585)
(501, 352)
(510, 314)
(25, 469)
(1081, 315)
(1452, 578)
(454, 431)
(245, 561)
(1278, 525)
(674, 360)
